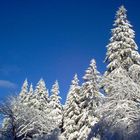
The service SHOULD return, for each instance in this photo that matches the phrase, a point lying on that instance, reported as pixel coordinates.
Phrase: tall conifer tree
(72, 111)
(55, 105)
(122, 49)
(90, 99)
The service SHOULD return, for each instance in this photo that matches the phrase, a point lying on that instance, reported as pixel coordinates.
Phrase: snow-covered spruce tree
(41, 96)
(122, 49)
(72, 111)
(121, 110)
(90, 99)
(55, 105)
(24, 91)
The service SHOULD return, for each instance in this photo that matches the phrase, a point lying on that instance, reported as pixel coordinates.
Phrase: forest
(103, 107)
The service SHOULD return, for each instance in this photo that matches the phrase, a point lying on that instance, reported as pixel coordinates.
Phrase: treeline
(36, 115)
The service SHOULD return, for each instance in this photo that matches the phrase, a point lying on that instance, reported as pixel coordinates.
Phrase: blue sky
(55, 39)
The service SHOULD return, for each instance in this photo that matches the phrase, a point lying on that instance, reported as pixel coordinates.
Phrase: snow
(55, 104)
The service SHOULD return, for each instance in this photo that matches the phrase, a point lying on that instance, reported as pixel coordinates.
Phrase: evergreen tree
(72, 111)
(120, 110)
(122, 49)
(55, 104)
(40, 99)
(90, 99)
(24, 91)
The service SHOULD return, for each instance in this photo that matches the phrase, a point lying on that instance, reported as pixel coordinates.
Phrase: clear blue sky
(55, 39)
